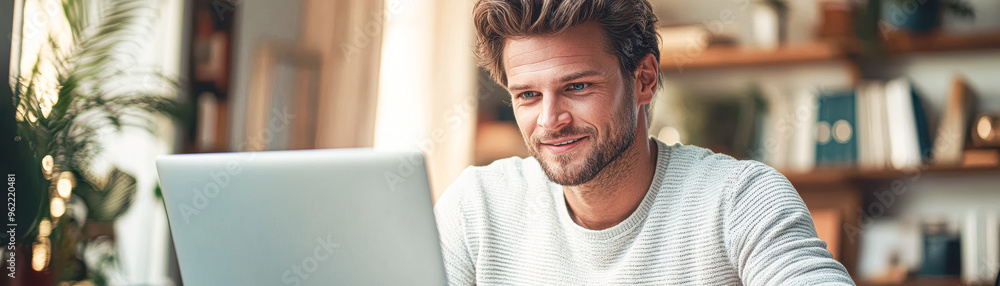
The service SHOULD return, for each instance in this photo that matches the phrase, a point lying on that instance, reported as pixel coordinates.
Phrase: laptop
(310, 217)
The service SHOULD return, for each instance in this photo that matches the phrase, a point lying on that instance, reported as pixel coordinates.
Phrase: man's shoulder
(507, 167)
(499, 175)
(695, 161)
(504, 182)
(706, 167)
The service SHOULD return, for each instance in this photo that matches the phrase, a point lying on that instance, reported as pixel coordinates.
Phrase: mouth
(563, 145)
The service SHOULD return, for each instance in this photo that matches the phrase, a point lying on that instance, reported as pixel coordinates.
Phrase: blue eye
(529, 94)
(579, 86)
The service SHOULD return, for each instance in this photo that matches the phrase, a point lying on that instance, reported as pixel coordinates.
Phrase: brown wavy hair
(629, 27)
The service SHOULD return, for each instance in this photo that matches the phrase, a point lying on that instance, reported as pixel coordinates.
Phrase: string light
(44, 227)
(40, 255)
(57, 207)
(65, 184)
(47, 165)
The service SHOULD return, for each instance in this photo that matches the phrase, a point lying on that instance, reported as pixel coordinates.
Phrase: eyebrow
(570, 77)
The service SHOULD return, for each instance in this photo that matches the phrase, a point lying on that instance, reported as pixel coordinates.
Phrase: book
(881, 113)
(891, 126)
(775, 134)
(950, 139)
(866, 154)
(908, 137)
(942, 251)
(992, 243)
(979, 247)
(873, 139)
(887, 248)
(836, 143)
(803, 112)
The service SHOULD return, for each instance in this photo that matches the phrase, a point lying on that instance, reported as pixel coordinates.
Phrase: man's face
(575, 110)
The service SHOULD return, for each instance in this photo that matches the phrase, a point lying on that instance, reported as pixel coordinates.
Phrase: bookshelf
(723, 57)
(942, 42)
(806, 181)
(820, 51)
(846, 190)
(942, 281)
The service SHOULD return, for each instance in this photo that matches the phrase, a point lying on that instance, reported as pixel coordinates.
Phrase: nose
(554, 115)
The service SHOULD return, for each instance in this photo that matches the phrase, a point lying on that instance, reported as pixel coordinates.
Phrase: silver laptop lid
(311, 217)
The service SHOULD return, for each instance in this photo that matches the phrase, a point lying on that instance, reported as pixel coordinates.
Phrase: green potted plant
(923, 15)
(95, 92)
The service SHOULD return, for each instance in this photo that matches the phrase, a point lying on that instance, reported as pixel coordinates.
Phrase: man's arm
(451, 228)
(770, 235)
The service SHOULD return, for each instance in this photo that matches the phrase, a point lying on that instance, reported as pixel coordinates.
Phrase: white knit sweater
(707, 219)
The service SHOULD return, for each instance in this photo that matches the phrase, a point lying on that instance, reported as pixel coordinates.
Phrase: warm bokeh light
(40, 255)
(57, 207)
(47, 165)
(45, 227)
(984, 128)
(65, 184)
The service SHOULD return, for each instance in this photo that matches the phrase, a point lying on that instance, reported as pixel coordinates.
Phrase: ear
(646, 78)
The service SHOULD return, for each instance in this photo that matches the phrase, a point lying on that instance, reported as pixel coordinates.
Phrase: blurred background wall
(903, 188)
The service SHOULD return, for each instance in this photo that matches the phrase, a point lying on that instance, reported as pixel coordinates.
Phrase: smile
(563, 146)
(567, 142)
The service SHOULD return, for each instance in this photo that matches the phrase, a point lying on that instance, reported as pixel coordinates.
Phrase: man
(599, 202)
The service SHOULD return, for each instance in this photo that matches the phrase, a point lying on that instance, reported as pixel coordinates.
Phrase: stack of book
(980, 246)
(877, 125)
(892, 126)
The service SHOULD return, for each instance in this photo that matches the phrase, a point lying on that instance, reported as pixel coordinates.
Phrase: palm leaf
(95, 91)
(109, 199)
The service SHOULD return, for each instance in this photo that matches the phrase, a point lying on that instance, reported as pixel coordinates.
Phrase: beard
(560, 168)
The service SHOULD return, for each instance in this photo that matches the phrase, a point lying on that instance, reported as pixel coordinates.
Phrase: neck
(616, 192)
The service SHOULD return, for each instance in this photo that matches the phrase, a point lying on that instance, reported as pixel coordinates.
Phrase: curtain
(427, 84)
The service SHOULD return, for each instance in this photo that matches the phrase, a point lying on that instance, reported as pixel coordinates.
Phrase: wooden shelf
(819, 51)
(721, 57)
(853, 176)
(915, 43)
